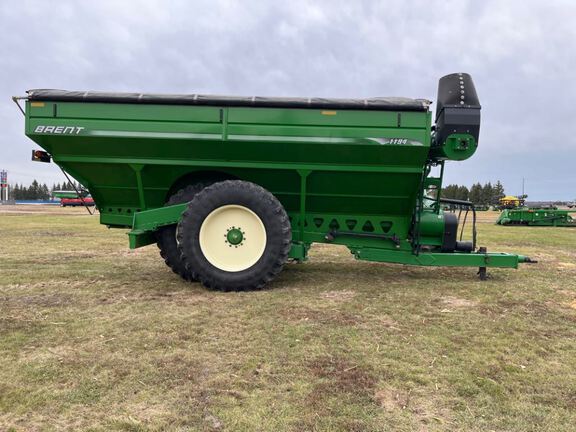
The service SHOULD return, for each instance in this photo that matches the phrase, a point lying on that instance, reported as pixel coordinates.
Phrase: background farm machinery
(529, 216)
(74, 198)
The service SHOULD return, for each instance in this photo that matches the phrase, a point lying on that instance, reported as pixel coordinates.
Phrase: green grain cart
(551, 217)
(230, 188)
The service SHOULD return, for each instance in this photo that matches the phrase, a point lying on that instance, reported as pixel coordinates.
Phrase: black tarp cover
(376, 103)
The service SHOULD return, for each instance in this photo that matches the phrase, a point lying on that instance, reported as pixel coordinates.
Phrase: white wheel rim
(223, 245)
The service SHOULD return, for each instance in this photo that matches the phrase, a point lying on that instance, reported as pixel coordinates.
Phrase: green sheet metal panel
(360, 162)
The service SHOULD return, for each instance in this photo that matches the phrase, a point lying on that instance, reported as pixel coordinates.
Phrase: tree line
(38, 191)
(487, 194)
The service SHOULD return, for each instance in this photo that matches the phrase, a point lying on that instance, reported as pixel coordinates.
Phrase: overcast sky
(521, 54)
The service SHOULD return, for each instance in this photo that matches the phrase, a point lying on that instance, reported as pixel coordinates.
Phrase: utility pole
(523, 186)
(3, 185)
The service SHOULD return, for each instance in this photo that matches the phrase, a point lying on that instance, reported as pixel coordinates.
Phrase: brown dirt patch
(62, 353)
(457, 303)
(337, 378)
(380, 321)
(391, 399)
(42, 300)
(59, 258)
(56, 234)
(319, 316)
(338, 296)
(48, 284)
(343, 375)
(423, 407)
(130, 252)
(533, 308)
(179, 369)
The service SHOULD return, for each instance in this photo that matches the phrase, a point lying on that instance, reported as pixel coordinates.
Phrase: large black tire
(166, 236)
(249, 199)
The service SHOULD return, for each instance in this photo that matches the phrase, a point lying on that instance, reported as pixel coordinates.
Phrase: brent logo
(61, 130)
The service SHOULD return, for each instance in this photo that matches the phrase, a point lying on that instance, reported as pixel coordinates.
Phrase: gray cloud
(520, 53)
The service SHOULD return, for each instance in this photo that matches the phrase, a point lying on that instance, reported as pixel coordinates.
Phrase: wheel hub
(235, 236)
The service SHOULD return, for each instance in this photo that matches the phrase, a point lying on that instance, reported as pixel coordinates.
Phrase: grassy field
(96, 337)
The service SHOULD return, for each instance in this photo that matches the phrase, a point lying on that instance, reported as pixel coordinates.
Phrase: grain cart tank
(230, 187)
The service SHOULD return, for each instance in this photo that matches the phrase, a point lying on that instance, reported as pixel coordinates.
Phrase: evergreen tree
(479, 194)
(475, 193)
(35, 190)
(498, 193)
(449, 191)
(462, 193)
(487, 193)
(44, 192)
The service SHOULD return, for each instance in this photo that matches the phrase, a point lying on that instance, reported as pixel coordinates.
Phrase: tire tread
(208, 198)
(166, 236)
